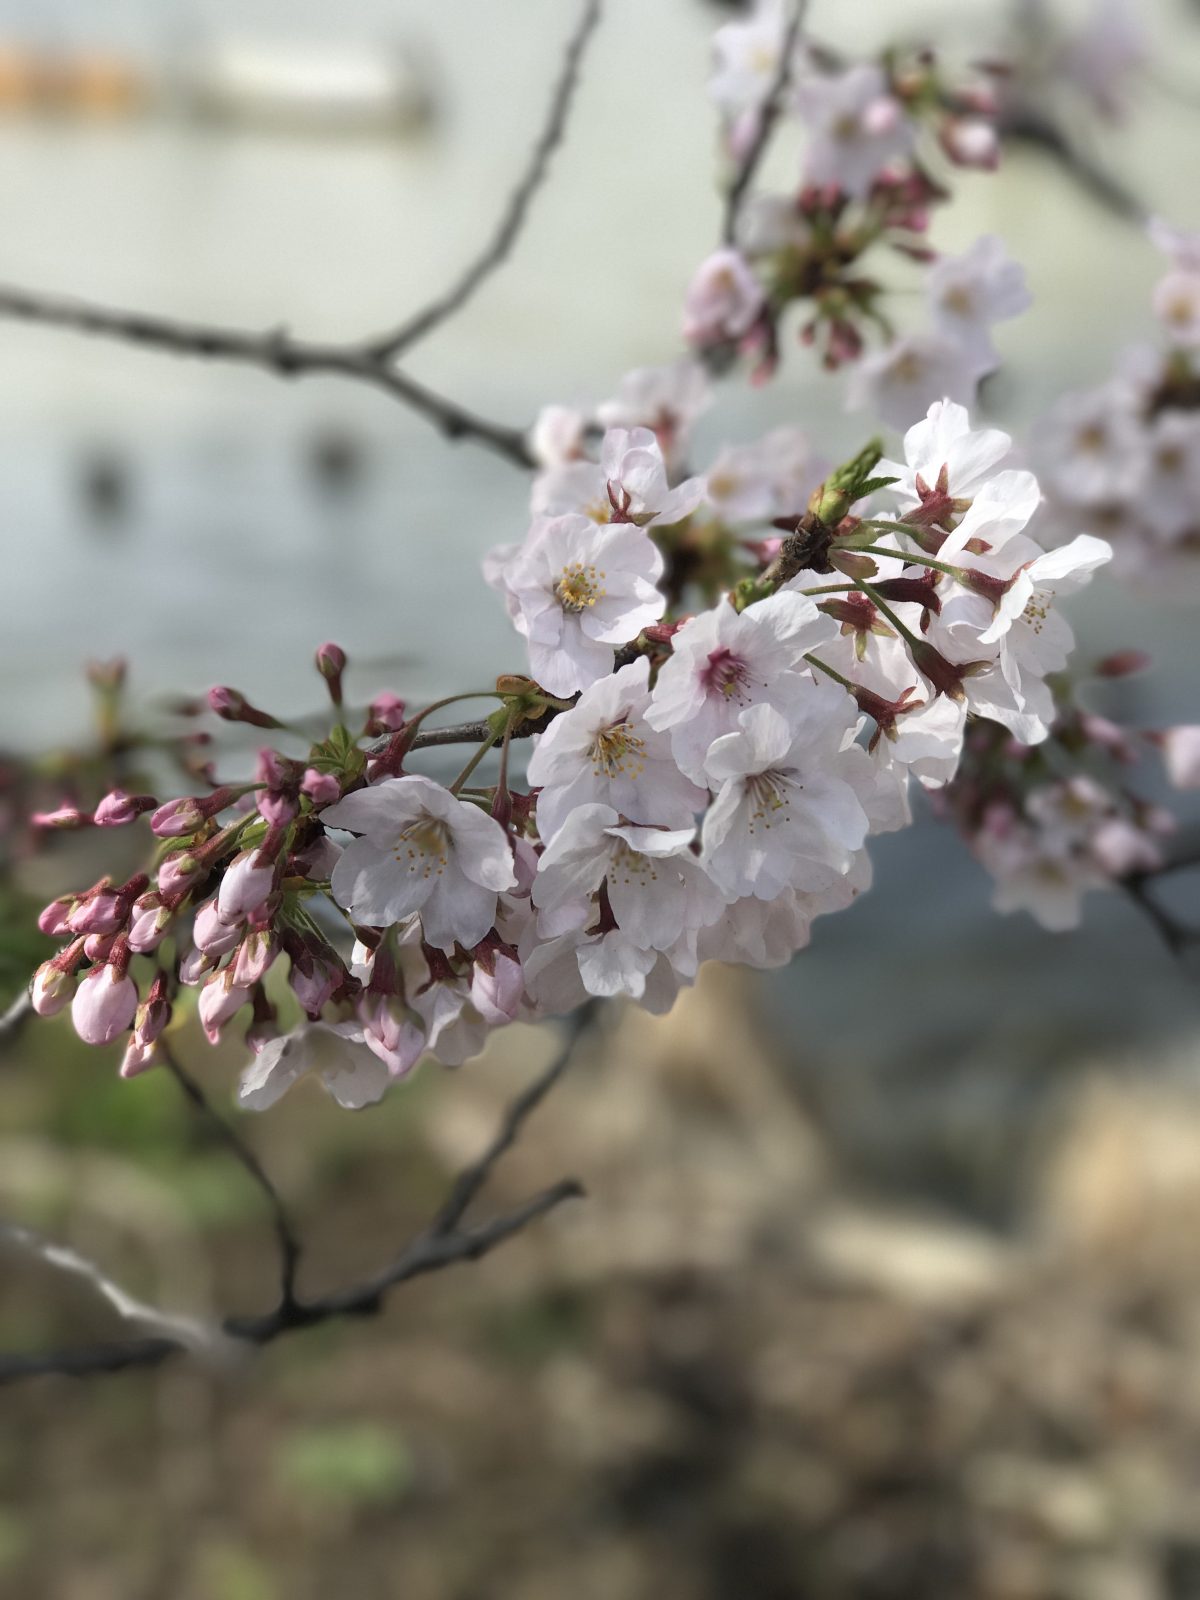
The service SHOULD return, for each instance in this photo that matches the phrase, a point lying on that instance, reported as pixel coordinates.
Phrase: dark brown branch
(275, 351)
(511, 222)
(771, 108)
(443, 1243)
(285, 1235)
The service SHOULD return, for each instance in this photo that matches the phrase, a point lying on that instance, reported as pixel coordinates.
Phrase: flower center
(727, 675)
(958, 300)
(630, 866)
(423, 846)
(769, 795)
(579, 587)
(618, 752)
(1037, 608)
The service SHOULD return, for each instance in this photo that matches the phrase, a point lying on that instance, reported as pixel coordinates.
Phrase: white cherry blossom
(943, 440)
(723, 300)
(335, 1051)
(576, 589)
(420, 850)
(604, 751)
(900, 383)
(628, 484)
(857, 128)
(723, 661)
(968, 293)
(666, 399)
(790, 796)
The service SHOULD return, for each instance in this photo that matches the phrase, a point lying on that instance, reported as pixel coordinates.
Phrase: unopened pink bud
(313, 988)
(177, 873)
(195, 967)
(331, 663)
(118, 808)
(51, 989)
(103, 912)
(53, 920)
(497, 995)
(970, 142)
(322, 788)
(152, 1015)
(1122, 663)
(104, 1005)
(98, 947)
(148, 924)
(64, 818)
(232, 706)
(255, 954)
(386, 713)
(278, 809)
(214, 937)
(140, 1056)
(177, 817)
(245, 886)
(220, 999)
(393, 1032)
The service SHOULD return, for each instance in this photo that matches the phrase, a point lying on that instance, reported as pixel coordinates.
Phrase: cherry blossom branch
(275, 351)
(771, 108)
(18, 1013)
(499, 247)
(443, 1243)
(1176, 934)
(285, 1234)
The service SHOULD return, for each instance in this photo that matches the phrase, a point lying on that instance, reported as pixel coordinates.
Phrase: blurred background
(887, 1284)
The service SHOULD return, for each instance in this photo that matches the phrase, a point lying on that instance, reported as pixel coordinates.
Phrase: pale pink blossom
(857, 128)
(423, 851)
(104, 1005)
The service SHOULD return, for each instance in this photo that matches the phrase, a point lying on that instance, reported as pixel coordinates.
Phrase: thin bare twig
(767, 118)
(498, 248)
(14, 1019)
(285, 1234)
(442, 1243)
(275, 351)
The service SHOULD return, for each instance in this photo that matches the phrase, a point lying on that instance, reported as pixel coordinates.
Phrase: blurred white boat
(336, 89)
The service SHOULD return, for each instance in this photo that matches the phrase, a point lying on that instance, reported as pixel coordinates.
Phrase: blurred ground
(726, 1373)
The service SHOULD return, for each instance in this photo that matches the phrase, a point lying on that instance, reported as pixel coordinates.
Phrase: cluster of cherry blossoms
(733, 679)
(866, 180)
(1124, 457)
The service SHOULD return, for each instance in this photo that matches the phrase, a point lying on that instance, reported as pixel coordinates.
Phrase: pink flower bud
(1122, 663)
(322, 788)
(104, 1005)
(140, 1056)
(331, 663)
(393, 1032)
(98, 947)
(119, 808)
(220, 999)
(314, 987)
(148, 924)
(497, 995)
(51, 989)
(386, 714)
(178, 872)
(64, 818)
(278, 809)
(177, 817)
(103, 912)
(255, 954)
(153, 1014)
(245, 886)
(232, 706)
(53, 920)
(970, 142)
(214, 937)
(195, 966)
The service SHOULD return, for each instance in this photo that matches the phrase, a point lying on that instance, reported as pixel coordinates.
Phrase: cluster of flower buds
(1124, 457)
(865, 182)
(733, 678)
(1053, 821)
